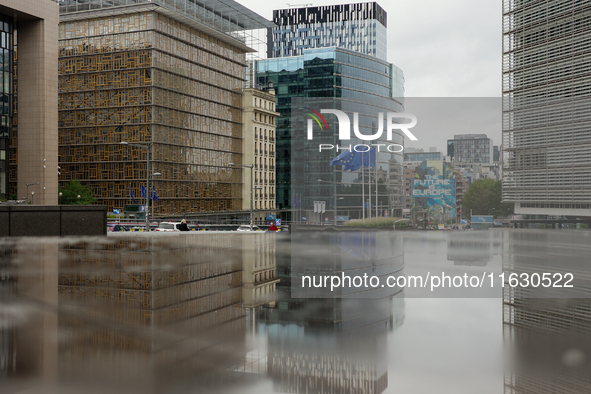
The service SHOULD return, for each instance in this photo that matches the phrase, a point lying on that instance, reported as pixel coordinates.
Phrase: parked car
(168, 226)
(117, 227)
(246, 227)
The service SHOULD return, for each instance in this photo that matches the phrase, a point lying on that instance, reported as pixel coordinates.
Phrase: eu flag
(343, 159)
(131, 194)
(353, 161)
(154, 196)
(143, 191)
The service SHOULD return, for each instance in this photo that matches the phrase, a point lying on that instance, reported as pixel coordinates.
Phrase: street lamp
(32, 197)
(29, 184)
(60, 194)
(148, 146)
(251, 166)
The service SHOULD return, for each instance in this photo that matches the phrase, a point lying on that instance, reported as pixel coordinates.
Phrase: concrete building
(546, 85)
(409, 175)
(161, 74)
(28, 142)
(470, 149)
(258, 118)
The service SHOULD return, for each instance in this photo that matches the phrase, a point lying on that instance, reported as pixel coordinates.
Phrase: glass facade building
(7, 94)
(169, 73)
(546, 123)
(360, 27)
(351, 82)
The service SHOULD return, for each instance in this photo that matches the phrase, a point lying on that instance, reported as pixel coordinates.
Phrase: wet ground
(228, 313)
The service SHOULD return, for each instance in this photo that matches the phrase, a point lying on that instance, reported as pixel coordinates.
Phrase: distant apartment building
(409, 174)
(360, 27)
(28, 110)
(470, 149)
(165, 75)
(258, 116)
(546, 87)
(414, 157)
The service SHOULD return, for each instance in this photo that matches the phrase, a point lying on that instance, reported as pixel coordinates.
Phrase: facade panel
(546, 122)
(146, 78)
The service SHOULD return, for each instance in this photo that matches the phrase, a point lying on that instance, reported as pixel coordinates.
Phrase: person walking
(183, 226)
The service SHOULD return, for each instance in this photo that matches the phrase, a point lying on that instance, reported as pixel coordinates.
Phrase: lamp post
(147, 146)
(251, 166)
(29, 184)
(32, 197)
(60, 194)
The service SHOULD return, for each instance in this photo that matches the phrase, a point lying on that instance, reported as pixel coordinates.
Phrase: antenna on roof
(298, 5)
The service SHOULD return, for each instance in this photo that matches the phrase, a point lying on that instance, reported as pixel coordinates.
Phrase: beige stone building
(28, 69)
(258, 118)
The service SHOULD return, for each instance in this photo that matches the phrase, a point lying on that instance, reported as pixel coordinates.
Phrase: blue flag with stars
(352, 161)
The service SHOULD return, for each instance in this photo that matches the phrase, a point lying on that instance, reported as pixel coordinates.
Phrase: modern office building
(360, 27)
(167, 75)
(28, 112)
(258, 117)
(332, 74)
(351, 82)
(470, 149)
(546, 127)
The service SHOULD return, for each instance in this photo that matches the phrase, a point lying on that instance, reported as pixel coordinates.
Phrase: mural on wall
(434, 189)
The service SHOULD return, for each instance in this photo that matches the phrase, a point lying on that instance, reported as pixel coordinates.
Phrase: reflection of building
(345, 77)
(358, 27)
(332, 345)
(474, 248)
(258, 117)
(259, 268)
(161, 308)
(149, 311)
(547, 334)
(161, 73)
(28, 85)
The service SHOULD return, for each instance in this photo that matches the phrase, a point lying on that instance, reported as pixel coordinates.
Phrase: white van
(168, 226)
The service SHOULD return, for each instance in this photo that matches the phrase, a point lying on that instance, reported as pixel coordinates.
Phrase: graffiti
(434, 189)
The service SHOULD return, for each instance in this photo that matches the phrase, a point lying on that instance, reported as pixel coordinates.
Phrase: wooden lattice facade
(144, 77)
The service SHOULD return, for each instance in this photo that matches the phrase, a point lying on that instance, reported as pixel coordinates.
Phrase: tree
(484, 196)
(71, 191)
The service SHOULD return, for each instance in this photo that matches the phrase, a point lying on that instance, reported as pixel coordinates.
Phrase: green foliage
(71, 191)
(377, 222)
(484, 195)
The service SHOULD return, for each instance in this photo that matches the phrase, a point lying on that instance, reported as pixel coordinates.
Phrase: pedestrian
(183, 226)
(273, 227)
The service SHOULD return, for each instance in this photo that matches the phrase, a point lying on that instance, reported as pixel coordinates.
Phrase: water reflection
(332, 341)
(219, 313)
(548, 340)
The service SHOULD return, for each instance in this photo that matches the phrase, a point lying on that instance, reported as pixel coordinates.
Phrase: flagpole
(362, 187)
(376, 164)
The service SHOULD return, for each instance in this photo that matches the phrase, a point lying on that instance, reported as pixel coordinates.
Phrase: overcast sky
(447, 48)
